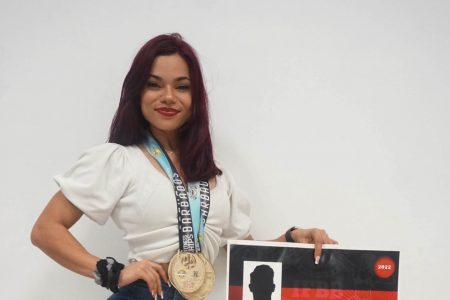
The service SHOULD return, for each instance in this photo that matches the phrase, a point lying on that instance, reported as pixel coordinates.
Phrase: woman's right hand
(149, 271)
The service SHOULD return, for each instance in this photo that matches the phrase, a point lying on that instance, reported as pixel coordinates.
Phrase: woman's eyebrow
(176, 79)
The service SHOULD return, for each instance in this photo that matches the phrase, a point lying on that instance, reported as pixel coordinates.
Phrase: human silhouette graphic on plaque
(261, 282)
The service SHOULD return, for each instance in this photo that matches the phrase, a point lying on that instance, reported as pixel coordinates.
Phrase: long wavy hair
(129, 127)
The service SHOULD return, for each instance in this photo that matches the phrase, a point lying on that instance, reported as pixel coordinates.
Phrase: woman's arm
(315, 236)
(51, 234)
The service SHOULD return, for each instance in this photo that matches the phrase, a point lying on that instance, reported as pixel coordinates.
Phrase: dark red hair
(129, 127)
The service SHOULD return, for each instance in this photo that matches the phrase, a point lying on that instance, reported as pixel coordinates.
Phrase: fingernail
(317, 260)
(168, 283)
(162, 295)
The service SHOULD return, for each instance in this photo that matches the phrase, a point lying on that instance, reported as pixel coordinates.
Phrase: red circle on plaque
(384, 267)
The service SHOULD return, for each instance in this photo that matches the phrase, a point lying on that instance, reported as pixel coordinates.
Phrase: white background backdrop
(332, 114)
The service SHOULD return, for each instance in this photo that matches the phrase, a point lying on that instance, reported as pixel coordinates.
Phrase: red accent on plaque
(235, 293)
(334, 294)
(384, 267)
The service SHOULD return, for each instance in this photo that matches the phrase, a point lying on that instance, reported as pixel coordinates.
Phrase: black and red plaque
(267, 270)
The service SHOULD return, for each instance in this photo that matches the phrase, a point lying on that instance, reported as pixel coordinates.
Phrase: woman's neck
(168, 140)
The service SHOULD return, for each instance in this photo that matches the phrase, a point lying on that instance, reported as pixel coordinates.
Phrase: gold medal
(187, 271)
(208, 283)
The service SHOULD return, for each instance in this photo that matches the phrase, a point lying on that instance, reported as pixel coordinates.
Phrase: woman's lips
(166, 111)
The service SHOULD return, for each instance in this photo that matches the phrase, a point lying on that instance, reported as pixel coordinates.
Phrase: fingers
(156, 272)
(153, 282)
(148, 271)
(317, 252)
(325, 238)
(162, 272)
(320, 237)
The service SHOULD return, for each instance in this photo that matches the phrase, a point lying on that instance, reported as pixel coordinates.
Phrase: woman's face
(166, 99)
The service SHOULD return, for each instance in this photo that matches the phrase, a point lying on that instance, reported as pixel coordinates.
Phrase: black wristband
(288, 235)
(107, 273)
(113, 276)
(101, 273)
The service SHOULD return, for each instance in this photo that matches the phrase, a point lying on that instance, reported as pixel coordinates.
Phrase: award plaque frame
(287, 271)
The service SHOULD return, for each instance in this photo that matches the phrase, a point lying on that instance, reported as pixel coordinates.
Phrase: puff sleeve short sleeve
(98, 180)
(239, 222)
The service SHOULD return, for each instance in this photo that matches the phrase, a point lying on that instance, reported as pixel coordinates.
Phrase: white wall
(329, 113)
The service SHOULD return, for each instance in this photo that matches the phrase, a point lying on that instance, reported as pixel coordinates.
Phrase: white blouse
(119, 181)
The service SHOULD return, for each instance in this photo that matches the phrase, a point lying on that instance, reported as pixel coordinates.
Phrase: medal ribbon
(192, 206)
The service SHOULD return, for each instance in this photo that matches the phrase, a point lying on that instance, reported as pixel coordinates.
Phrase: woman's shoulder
(110, 148)
(225, 177)
(110, 153)
(226, 173)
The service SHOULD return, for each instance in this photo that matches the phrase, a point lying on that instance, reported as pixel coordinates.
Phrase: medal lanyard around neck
(191, 222)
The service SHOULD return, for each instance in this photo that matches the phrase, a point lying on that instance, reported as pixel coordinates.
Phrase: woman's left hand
(315, 236)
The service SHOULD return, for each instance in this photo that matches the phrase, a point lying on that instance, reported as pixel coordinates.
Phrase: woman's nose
(168, 94)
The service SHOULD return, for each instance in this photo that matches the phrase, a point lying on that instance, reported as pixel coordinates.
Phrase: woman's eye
(152, 85)
(183, 87)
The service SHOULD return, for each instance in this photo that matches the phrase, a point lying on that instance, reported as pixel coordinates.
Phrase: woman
(159, 141)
